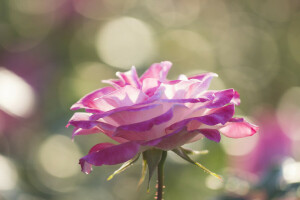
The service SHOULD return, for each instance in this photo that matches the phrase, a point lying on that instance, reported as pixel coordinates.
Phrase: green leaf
(181, 152)
(152, 157)
(124, 166)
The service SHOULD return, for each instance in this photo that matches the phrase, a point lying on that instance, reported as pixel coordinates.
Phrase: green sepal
(181, 152)
(193, 152)
(152, 158)
(143, 175)
(124, 166)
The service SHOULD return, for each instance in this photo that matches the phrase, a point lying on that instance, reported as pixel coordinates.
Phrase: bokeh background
(54, 52)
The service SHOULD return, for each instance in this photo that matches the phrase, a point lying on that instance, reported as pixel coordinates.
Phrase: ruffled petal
(204, 76)
(204, 80)
(219, 98)
(83, 125)
(109, 154)
(216, 116)
(88, 100)
(238, 129)
(236, 98)
(130, 78)
(150, 85)
(181, 137)
(81, 131)
(152, 128)
(157, 71)
(117, 83)
(212, 134)
(125, 96)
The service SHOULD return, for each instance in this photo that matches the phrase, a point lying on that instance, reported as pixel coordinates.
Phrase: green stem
(160, 176)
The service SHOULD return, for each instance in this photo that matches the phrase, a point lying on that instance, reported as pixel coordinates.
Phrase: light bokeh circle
(125, 42)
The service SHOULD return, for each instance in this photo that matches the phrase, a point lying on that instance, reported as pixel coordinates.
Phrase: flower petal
(204, 79)
(87, 167)
(117, 83)
(153, 128)
(219, 98)
(130, 77)
(109, 154)
(83, 125)
(150, 85)
(88, 100)
(212, 134)
(238, 129)
(204, 76)
(217, 116)
(172, 140)
(157, 71)
(125, 96)
(81, 131)
(181, 137)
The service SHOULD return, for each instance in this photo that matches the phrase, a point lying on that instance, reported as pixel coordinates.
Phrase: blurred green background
(54, 52)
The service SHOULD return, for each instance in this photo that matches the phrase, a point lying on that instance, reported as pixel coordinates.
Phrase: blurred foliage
(53, 52)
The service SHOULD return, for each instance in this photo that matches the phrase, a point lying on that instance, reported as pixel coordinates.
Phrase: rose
(152, 112)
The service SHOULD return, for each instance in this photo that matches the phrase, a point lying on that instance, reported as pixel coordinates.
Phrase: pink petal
(109, 154)
(204, 76)
(173, 140)
(217, 116)
(150, 85)
(204, 83)
(238, 129)
(101, 146)
(181, 137)
(80, 131)
(135, 115)
(236, 98)
(212, 134)
(153, 128)
(125, 96)
(83, 125)
(130, 77)
(157, 71)
(117, 83)
(88, 100)
(219, 98)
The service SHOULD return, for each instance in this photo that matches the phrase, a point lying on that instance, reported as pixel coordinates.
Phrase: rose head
(152, 112)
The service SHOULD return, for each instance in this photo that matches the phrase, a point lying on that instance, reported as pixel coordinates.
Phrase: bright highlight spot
(239, 147)
(237, 186)
(8, 174)
(213, 183)
(288, 113)
(291, 171)
(59, 156)
(125, 42)
(16, 96)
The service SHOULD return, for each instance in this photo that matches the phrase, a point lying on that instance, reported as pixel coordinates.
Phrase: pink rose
(154, 112)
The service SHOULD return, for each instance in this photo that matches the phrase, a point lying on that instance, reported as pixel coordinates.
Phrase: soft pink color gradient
(152, 111)
(272, 148)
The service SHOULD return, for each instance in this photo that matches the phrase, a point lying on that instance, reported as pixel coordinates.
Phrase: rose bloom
(154, 112)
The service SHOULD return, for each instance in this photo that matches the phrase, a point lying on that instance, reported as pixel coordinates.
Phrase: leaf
(152, 157)
(124, 166)
(193, 152)
(181, 152)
